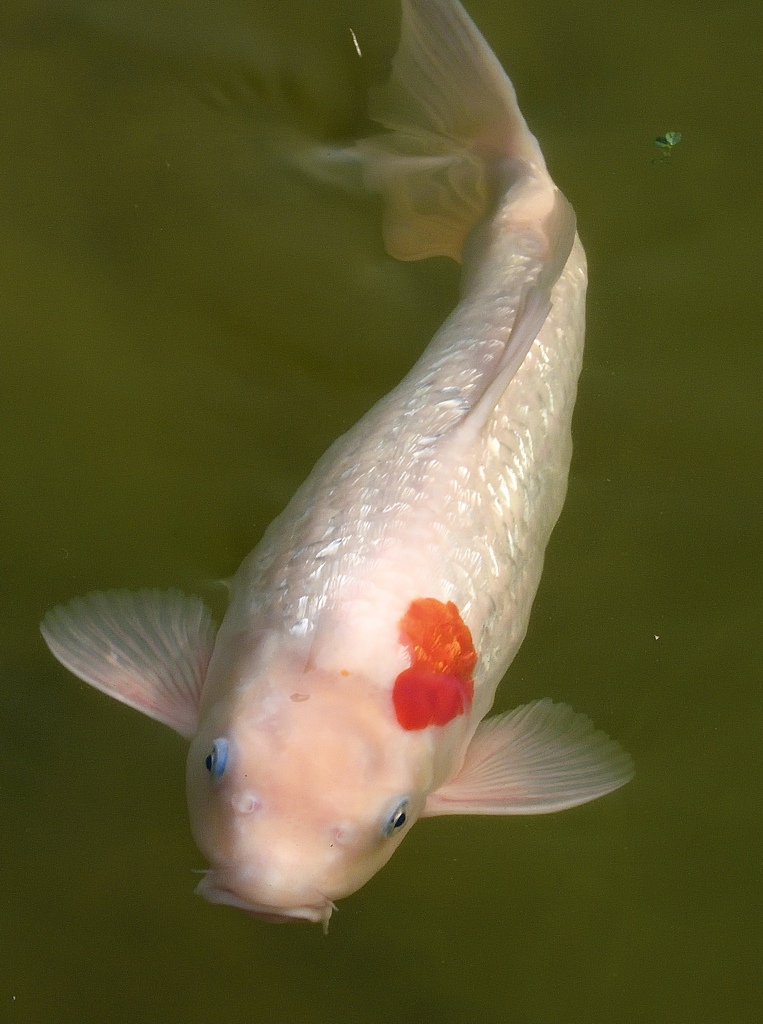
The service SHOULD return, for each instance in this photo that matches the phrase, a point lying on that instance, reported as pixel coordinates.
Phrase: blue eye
(397, 819)
(216, 760)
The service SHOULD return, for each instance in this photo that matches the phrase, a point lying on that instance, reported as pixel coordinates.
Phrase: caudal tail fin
(454, 129)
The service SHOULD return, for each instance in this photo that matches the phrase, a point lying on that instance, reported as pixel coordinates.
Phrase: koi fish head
(298, 798)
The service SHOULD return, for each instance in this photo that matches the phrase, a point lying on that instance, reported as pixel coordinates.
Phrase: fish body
(344, 694)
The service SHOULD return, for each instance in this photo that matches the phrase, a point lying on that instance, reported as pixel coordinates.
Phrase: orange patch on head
(438, 685)
(438, 637)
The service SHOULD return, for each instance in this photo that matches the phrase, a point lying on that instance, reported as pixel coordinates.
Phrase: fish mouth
(216, 892)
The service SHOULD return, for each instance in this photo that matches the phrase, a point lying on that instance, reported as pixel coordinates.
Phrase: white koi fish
(342, 698)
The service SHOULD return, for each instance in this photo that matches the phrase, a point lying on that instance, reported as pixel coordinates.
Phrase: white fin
(541, 757)
(456, 134)
(149, 649)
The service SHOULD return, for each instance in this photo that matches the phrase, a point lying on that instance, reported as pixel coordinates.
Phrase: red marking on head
(423, 698)
(438, 637)
(438, 685)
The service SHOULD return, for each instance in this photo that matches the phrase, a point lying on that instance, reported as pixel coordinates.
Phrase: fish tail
(455, 136)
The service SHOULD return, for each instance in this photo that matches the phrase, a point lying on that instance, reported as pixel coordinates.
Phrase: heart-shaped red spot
(438, 686)
(423, 698)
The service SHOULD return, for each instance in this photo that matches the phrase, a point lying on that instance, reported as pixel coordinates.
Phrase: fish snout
(225, 887)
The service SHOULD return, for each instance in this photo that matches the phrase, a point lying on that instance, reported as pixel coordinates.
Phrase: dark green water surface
(187, 321)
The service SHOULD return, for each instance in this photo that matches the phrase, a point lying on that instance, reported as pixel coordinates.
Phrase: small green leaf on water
(668, 140)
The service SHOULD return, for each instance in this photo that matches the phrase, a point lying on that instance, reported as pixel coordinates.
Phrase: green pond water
(187, 321)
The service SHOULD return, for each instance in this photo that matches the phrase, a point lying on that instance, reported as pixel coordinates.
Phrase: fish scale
(481, 520)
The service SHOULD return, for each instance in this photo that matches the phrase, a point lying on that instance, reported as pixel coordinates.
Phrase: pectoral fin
(541, 757)
(148, 649)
